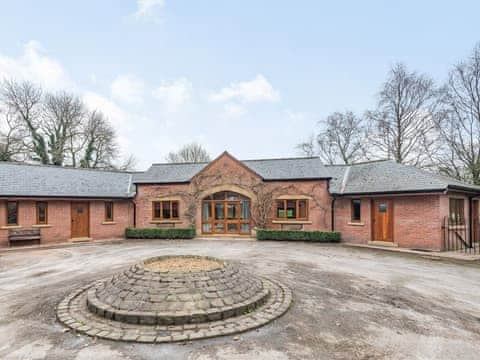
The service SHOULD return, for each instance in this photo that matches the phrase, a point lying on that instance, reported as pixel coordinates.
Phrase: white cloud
(148, 9)
(173, 113)
(234, 110)
(127, 88)
(115, 114)
(174, 94)
(34, 65)
(256, 90)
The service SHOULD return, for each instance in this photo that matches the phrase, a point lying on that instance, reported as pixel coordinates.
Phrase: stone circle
(174, 298)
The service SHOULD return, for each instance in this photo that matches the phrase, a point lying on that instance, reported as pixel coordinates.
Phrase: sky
(250, 77)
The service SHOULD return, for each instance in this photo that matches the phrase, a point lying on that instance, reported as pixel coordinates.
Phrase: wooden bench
(16, 236)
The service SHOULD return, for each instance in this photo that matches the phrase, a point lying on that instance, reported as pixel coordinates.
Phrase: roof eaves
(298, 179)
(463, 188)
(129, 196)
(156, 182)
(390, 192)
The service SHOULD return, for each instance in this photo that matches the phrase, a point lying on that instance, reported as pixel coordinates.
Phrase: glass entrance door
(226, 213)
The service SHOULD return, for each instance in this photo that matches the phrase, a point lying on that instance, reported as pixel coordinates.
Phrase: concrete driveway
(349, 303)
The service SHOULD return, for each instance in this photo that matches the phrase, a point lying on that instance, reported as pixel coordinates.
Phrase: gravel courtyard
(348, 303)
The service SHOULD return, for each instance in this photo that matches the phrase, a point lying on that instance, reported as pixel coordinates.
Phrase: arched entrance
(226, 212)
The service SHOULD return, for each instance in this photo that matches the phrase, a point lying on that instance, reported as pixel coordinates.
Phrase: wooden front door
(382, 220)
(80, 219)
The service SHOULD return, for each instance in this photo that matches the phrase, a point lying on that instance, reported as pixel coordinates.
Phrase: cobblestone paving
(146, 306)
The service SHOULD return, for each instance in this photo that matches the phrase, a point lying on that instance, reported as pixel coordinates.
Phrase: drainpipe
(333, 213)
(470, 220)
(134, 213)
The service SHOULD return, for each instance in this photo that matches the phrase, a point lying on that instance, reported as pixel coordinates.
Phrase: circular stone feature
(142, 296)
(173, 294)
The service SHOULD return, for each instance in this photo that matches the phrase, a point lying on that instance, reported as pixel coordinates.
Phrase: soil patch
(183, 264)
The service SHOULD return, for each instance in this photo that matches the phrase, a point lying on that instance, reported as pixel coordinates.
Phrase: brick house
(381, 202)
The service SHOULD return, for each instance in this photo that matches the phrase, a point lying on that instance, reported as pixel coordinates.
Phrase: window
(165, 210)
(109, 211)
(457, 208)
(12, 213)
(42, 213)
(292, 209)
(226, 212)
(356, 210)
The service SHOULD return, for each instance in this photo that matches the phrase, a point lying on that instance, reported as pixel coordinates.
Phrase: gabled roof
(226, 155)
(388, 176)
(20, 179)
(268, 169)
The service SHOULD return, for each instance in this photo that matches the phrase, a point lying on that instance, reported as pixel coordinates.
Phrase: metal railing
(459, 236)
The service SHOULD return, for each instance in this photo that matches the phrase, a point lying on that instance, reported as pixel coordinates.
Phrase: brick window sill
(166, 222)
(109, 222)
(353, 223)
(42, 226)
(295, 222)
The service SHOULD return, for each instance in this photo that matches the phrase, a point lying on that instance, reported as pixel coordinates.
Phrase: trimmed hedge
(155, 233)
(299, 235)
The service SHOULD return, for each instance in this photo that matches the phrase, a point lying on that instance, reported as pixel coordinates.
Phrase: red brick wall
(228, 174)
(122, 218)
(356, 233)
(319, 203)
(416, 221)
(146, 194)
(59, 220)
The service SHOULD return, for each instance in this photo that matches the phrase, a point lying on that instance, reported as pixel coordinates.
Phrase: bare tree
(128, 164)
(99, 144)
(340, 140)
(12, 136)
(459, 124)
(62, 119)
(24, 100)
(192, 153)
(308, 147)
(402, 126)
(56, 129)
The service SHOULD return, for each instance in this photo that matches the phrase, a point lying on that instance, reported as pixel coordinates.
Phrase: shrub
(299, 235)
(155, 233)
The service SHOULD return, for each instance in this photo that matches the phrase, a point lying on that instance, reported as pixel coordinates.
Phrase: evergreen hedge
(156, 233)
(299, 235)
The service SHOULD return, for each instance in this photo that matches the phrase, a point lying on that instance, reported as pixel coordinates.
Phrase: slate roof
(289, 168)
(389, 177)
(376, 177)
(268, 169)
(19, 179)
(168, 173)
